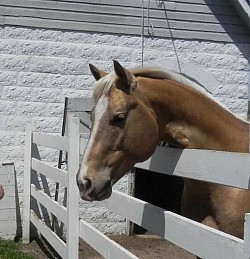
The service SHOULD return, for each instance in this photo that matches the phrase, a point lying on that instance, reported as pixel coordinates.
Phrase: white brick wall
(39, 68)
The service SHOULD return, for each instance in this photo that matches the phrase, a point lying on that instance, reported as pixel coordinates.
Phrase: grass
(12, 250)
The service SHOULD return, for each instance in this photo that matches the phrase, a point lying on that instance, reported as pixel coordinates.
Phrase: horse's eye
(119, 117)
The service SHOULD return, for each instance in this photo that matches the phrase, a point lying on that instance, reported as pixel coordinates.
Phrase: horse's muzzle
(94, 190)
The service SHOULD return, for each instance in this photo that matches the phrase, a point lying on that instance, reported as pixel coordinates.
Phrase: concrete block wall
(40, 67)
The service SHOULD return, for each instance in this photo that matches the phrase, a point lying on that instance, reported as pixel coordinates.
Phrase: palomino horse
(136, 109)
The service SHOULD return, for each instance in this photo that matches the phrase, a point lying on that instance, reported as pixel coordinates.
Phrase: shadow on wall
(47, 186)
(214, 21)
(18, 211)
(233, 24)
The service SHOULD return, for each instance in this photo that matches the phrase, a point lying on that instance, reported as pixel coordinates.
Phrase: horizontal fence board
(206, 9)
(8, 230)
(96, 4)
(87, 12)
(129, 30)
(200, 35)
(199, 239)
(49, 235)
(80, 104)
(210, 2)
(186, 19)
(52, 141)
(134, 3)
(92, 5)
(83, 144)
(7, 179)
(69, 25)
(7, 214)
(128, 19)
(198, 17)
(9, 189)
(9, 202)
(108, 248)
(53, 173)
(59, 211)
(205, 165)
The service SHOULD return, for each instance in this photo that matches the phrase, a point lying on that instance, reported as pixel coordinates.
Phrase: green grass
(12, 250)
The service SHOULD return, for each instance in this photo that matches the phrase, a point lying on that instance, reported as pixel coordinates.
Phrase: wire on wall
(150, 31)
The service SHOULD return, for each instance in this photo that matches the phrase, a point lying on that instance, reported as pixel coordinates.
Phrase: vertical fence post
(72, 192)
(247, 215)
(247, 234)
(26, 183)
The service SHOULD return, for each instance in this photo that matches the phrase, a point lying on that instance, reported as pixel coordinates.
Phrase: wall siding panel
(184, 19)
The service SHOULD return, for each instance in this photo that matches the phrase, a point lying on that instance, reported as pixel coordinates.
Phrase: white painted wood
(50, 236)
(106, 247)
(247, 234)
(72, 192)
(52, 141)
(80, 104)
(7, 215)
(125, 18)
(199, 239)
(9, 211)
(129, 227)
(7, 201)
(83, 144)
(53, 173)
(226, 168)
(54, 207)
(27, 182)
(6, 230)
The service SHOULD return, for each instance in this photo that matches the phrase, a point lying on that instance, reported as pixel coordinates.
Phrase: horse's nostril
(87, 183)
(84, 184)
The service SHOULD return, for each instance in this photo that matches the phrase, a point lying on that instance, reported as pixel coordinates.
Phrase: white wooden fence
(9, 206)
(231, 169)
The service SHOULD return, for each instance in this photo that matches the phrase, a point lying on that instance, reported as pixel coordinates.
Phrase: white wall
(39, 68)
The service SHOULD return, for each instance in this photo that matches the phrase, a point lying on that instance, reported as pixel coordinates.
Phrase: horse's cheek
(142, 140)
(150, 138)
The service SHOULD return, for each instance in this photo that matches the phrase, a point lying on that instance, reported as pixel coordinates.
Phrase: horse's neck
(189, 119)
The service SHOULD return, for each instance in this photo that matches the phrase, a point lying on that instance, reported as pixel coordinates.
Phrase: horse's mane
(108, 82)
(177, 77)
(105, 84)
(170, 75)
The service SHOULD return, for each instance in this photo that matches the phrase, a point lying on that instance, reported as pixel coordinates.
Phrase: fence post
(72, 192)
(247, 234)
(26, 183)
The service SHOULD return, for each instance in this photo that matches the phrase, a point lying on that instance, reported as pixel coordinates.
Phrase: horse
(134, 110)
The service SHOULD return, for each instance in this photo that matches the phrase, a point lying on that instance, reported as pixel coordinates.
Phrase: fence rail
(197, 238)
(220, 167)
(51, 237)
(52, 141)
(53, 173)
(108, 248)
(192, 236)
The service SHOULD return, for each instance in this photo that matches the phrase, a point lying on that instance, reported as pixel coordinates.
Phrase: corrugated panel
(191, 19)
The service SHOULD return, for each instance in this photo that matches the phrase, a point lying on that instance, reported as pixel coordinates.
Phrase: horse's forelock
(104, 85)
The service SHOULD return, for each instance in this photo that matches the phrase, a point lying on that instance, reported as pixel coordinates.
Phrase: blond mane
(106, 83)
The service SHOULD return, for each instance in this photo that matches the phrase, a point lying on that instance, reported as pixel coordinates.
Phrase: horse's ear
(97, 73)
(126, 76)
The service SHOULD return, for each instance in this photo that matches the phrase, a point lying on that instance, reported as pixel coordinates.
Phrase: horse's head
(124, 132)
